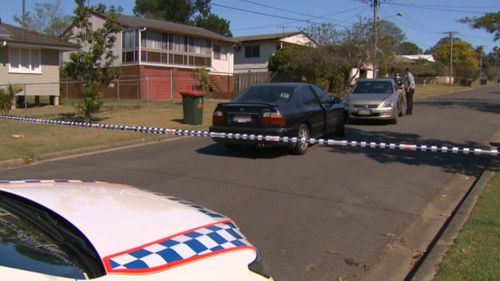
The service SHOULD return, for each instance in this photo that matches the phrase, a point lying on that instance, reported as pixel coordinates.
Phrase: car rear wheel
(301, 147)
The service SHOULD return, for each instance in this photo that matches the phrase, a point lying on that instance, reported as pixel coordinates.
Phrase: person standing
(409, 91)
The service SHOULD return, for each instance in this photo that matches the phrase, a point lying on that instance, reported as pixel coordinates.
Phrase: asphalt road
(320, 216)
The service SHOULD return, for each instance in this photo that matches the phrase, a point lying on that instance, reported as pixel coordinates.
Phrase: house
(157, 58)
(253, 52)
(418, 57)
(31, 60)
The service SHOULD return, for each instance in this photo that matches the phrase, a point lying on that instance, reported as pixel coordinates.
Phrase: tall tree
(323, 33)
(47, 17)
(213, 23)
(192, 12)
(91, 64)
(465, 58)
(408, 48)
(490, 22)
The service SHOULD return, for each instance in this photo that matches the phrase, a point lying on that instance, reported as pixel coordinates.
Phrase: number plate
(364, 112)
(242, 119)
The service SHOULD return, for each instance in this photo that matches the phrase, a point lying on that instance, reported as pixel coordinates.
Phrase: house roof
(13, 34)
(4, 33)
(264, 37)
(268, 37)
(167, 26)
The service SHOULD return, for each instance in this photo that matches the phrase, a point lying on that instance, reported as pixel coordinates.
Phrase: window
(252, 51)
(323, 98)
(24, 60)
(129, 40)
(220, 53)
(307, 96)
(152, 40)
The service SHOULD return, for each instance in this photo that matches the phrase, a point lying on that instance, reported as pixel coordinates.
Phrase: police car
(76, 230)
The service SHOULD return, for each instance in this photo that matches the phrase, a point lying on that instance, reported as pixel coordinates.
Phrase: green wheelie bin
(192, 106)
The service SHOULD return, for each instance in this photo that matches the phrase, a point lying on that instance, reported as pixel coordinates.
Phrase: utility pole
(375, 35)
(451, 33)
(23, 17)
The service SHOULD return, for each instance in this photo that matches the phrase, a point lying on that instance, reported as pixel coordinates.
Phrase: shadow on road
(482, 105)
(471, 165)
(250, 152)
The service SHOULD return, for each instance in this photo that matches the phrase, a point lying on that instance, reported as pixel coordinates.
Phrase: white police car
(76, 230)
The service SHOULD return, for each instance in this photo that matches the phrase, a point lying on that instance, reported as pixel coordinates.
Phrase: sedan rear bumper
(244, 134)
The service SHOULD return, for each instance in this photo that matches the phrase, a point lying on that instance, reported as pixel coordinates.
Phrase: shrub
(7, 98)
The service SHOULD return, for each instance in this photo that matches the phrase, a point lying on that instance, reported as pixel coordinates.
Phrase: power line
(276, 8)
(262, 14)
(418, 26)
(335, 22)
(448, 6)
(438, 8)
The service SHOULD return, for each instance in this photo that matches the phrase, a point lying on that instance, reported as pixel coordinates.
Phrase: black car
(279, 109)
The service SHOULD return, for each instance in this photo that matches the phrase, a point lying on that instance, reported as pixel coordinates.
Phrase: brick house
(157, 58)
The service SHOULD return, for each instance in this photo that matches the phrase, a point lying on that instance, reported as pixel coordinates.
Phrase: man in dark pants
(409, 91)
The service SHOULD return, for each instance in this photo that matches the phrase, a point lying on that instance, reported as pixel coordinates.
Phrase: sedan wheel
(301, 147)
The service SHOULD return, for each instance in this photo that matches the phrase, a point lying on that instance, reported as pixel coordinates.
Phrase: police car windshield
(33, 240)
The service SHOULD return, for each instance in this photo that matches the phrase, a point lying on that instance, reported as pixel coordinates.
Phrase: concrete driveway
(333, 213)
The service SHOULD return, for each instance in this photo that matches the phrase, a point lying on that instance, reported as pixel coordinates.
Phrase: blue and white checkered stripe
(253, 137)
(199, 243)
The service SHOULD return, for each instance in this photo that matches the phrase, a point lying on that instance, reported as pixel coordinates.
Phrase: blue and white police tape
(253, 137)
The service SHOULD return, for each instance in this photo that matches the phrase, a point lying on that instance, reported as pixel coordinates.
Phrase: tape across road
(253, 137)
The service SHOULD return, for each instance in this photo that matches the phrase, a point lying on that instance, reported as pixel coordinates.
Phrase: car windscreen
(373, 87)
(33, 239)
(266, 94)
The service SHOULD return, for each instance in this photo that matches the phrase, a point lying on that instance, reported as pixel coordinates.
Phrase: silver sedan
(376, 99)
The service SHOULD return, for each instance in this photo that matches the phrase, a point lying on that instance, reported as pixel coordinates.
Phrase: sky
(424, 21)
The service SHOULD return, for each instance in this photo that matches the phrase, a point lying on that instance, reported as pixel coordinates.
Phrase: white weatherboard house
(31, 60)
(253, 52)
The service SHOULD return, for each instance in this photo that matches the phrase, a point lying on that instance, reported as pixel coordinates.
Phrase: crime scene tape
(253, 137)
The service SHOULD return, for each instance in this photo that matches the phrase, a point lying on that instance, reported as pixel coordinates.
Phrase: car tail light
(273, 119)
(218, 118)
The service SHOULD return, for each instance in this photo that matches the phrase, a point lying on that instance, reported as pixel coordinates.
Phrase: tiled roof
(167, 26)
(21, 35)
(262, 37)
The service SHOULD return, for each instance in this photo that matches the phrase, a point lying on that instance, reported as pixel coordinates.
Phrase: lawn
(476, 252)
(32, 141)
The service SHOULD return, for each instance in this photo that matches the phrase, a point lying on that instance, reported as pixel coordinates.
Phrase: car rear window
(373, 87)
(266, 94)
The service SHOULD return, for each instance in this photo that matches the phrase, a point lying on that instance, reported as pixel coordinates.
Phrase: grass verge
(475, 254)
(28, 142)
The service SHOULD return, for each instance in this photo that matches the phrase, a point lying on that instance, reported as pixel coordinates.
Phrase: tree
(91, 64)
(214, 23)
(408, 48)
(47, 18)
(490, 22)
(7, 96)
(465, 58)
(390, 37)
(324, 33)
(191, 12)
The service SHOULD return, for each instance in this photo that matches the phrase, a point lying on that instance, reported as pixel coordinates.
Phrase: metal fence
(164, 88)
